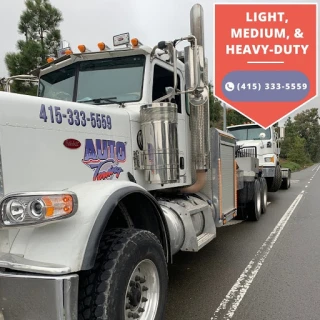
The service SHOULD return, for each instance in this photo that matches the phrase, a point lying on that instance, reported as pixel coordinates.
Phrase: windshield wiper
(100, 100)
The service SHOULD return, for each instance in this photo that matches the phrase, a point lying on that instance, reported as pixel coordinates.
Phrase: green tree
(302, 137)
(234, 117)
(216, 113)
(39, 25)
(216, 119)
(297, 151)
(307, 126)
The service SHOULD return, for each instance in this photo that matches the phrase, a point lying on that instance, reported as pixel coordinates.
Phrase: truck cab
(264, 140)
(264, 144)
(121, 80)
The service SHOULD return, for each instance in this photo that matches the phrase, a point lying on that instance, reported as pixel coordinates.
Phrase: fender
(73, 242)
(104, 215)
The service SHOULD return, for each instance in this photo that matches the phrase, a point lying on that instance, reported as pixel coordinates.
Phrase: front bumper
(269, 172)
(26, 296)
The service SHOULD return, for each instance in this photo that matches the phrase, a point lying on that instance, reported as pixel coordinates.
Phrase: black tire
(264, 195)
(286, 182)
(104, 291)
(274, 183)
(242, 202)
(254, 207)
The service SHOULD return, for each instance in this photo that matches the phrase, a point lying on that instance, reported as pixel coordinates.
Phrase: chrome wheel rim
(143, 292)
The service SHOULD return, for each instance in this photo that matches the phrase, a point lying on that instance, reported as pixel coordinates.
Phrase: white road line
(232, 300)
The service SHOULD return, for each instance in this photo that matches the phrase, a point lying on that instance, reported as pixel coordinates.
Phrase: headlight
(28, 209)
(269, 159)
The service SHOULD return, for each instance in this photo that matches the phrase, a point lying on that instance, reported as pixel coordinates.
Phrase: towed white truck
(119, 171)
(264, 144)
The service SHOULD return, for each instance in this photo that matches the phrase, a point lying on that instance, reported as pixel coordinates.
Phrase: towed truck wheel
(129, 279)
(254, 207)
(286, 182)
(274, 183)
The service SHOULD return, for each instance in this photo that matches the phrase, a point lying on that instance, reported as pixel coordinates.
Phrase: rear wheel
(129, 279)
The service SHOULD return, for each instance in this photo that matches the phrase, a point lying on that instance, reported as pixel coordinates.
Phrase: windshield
(58, 84)
(249, 133)
(106, 81)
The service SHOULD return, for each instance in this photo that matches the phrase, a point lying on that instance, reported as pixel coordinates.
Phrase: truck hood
(52, 145)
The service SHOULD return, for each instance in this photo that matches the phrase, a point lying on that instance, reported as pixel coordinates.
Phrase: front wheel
(129, 279)
(274, 183)
(286, 182)
(254, 207)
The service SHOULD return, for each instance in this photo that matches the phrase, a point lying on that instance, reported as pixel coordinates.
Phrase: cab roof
(96, 55)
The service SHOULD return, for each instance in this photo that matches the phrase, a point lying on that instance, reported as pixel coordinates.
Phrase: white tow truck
(110, 172)
(265, 143)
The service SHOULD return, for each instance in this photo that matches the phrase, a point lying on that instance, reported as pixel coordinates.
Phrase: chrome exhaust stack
(197, 81)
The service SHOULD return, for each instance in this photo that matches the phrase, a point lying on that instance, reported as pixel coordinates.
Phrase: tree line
(39, 26)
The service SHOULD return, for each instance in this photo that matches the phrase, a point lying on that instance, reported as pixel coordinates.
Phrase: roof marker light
(50, 59)
(82, 48)
(135, 42)
(101, 46)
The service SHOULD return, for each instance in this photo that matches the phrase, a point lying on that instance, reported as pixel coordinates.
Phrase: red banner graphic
(265, 58)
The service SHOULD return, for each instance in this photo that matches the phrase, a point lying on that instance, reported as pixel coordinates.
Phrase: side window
(163, 78)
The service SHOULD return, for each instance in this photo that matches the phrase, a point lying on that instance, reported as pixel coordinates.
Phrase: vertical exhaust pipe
(199, 105)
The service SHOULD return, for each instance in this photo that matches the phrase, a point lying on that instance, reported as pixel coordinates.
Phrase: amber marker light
(82, 48)
(135, 42)
(101, 46)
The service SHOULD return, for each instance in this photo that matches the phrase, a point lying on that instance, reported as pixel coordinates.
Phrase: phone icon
(229, 86)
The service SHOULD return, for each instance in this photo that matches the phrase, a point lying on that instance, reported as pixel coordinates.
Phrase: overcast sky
(89, 22)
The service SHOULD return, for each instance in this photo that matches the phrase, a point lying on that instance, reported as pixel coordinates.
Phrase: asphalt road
(268, 269)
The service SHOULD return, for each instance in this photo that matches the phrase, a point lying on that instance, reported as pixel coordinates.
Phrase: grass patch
(293, 166)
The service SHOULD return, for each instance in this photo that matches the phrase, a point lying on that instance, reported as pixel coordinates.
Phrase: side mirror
(262, 135)
(191, 72)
